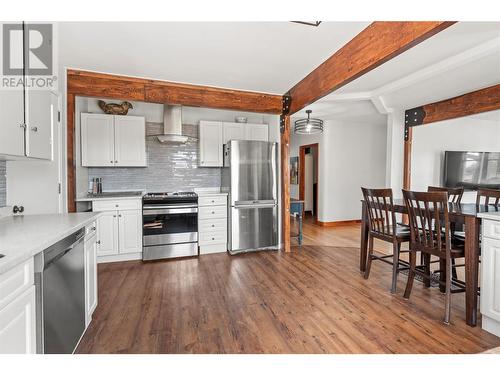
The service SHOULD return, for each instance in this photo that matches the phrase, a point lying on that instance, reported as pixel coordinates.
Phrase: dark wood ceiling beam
(378, 43)
(484, 100)
(111, 86)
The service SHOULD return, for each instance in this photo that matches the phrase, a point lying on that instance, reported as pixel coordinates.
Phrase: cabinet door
(18, 326)
(211, 142)
(257, 132)
(490, 264)
(12, 100)
(12, 122)
(39, 123)
(90, 278)
(130, 141)
(98, 140)
(107, 233)
(130, 231)
(233, 131)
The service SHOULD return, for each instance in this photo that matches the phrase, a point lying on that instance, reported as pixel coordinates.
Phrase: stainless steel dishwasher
(60, 295)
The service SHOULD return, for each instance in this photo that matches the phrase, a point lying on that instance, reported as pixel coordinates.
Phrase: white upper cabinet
(116, 141)
(129, 149)
(256, 132)
(39, 121)
(215, 134)
(25, 114)
(233, 131)
(12, 122)
(211, 141)
(98, 140)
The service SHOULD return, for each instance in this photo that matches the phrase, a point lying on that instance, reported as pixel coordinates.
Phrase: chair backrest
(381, 215)
(454, 194)
(491, 196)
(428, 214)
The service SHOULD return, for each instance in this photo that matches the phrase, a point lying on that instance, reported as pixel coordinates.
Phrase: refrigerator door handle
(254, 205)
(267, 202)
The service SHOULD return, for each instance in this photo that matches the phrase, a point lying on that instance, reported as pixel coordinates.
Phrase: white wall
(351, 155)
(463, 134)
(395, 152)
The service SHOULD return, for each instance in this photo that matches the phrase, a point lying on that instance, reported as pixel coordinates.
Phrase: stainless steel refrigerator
(250, 176)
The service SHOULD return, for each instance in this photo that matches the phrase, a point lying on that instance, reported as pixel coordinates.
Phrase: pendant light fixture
(308, 125)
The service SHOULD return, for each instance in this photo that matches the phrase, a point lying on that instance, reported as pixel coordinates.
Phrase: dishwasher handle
(61, 248)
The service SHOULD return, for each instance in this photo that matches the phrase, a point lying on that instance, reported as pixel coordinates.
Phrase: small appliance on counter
(96, 186)
(170, 225)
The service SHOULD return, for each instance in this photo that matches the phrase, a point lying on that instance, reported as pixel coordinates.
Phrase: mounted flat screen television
(471, 169)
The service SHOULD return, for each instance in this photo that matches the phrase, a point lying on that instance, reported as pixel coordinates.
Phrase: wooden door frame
(302, 157)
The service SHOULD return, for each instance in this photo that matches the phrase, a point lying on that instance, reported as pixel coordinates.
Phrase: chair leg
(411, 273)
(453, 269)
(427, 263)
(442, 275)
(395, 265)
(369, 256)
(447, 307)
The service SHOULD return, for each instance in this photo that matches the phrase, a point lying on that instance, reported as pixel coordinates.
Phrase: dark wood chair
(383, 226)
(428, 215)
(491, 197)
(454, 194)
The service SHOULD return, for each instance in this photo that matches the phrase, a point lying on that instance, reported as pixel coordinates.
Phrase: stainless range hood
(172, 125)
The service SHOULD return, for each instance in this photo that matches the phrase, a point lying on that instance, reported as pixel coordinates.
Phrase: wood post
(285, 180)
(70, 147)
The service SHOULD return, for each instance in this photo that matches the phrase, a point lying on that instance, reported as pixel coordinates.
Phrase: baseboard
(341, 223)
(119, 257)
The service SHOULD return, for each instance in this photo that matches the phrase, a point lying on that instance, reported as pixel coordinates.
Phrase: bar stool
(383, 226)
(428, 215)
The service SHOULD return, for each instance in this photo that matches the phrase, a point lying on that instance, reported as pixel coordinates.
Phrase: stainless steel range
(170, 225)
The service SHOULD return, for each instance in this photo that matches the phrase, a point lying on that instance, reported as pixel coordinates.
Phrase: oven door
(164, 225)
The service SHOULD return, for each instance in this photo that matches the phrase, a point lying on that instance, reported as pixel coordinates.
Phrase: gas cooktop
(167, 196)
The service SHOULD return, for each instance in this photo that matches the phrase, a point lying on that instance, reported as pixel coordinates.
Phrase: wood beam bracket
(413, 117)
(285, 110)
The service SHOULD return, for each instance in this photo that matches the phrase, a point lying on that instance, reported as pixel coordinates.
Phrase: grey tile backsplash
(3, 184)
(171, 167)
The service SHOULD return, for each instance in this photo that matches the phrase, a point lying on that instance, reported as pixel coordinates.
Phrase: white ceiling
(273, 56)
(258, 56)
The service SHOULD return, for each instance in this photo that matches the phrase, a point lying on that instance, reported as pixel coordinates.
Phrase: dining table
(460, 213)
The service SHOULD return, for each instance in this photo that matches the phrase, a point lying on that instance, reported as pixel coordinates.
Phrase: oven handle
(154, 207)
(170, 211)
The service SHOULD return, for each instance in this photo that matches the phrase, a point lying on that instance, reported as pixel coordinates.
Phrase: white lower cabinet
(119, 229)
(17, 310)
(90, 276)
(490, 274)
(212, 223)
(18, 325)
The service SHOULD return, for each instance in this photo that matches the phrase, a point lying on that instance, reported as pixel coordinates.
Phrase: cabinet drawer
(491, 229)
(215, 225)
(214, 200)
(212, 212)
(91, 229)
(16, 281)
(113, 205)
(212, 238)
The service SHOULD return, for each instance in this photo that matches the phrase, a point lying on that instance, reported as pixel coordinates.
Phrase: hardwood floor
(312, 300)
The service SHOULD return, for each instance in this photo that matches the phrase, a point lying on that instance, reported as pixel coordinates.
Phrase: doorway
(308, 178)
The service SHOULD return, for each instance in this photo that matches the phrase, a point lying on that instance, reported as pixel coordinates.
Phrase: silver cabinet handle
(111, 161)
(116, 161)
(98, 242)
(114, 215)
(34, 129)
(22, 126)
(93, 228)
(120, 215)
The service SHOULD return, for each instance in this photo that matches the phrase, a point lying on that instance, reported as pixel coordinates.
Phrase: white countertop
(22, 237)
(493, 215)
